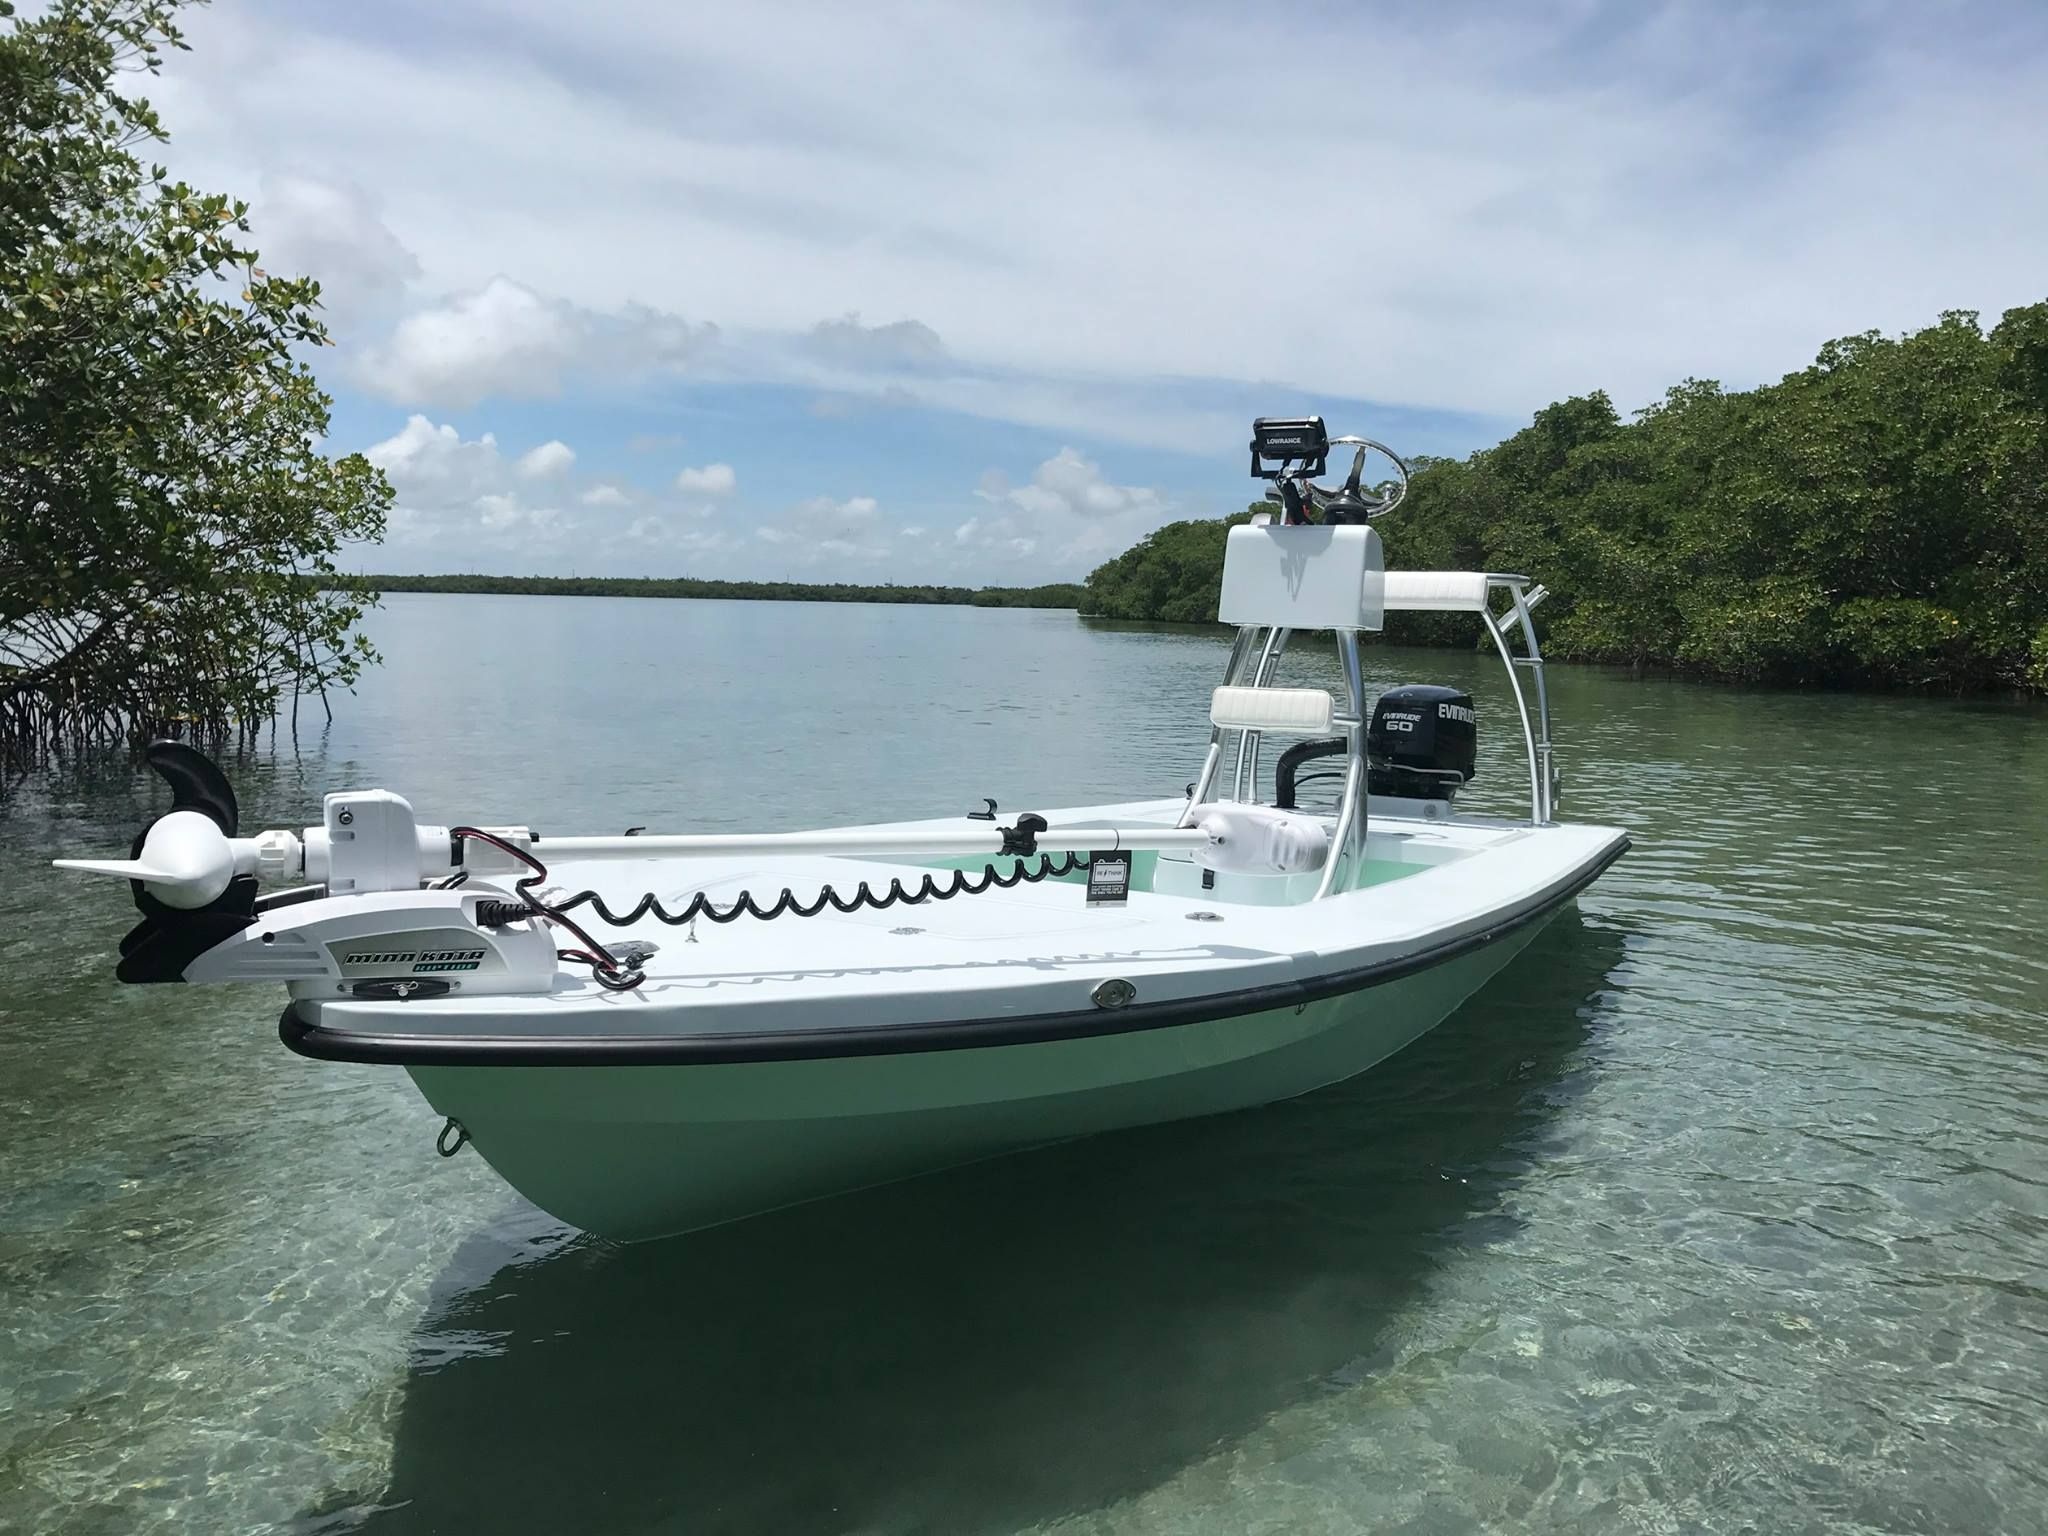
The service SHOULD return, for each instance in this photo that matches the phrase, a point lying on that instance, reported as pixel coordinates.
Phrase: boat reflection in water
(1008, 1343)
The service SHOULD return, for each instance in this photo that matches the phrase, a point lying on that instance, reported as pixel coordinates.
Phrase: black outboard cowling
(1423, 742)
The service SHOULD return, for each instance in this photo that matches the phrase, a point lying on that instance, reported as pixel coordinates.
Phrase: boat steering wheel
(1349, 502)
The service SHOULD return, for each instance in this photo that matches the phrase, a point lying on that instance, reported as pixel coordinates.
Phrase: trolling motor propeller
(196, 782)
(191, 876)
(186, 856)
(182, 858)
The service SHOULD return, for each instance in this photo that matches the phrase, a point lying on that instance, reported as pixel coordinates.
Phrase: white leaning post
(1280, 579)
(1277, 580)
(1254, 604)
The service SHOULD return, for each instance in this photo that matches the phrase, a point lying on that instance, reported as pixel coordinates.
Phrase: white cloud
(1061, 523)
(825, 530)
(1068, 515)
(551, 458)
(710, 480)
(848, 549)
(501, 512)
(899, 344)
(1500, 213)
(663, 537)
(1003, 536)
(502, 339)
(824, 511)
(333, 231)
(1068, 484)
(459, 503)
(422, 458)
(505, 340)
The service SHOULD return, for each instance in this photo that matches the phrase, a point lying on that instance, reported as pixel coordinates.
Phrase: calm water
(1724, 1210)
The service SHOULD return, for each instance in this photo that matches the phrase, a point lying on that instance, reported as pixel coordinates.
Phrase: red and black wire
(605, 969)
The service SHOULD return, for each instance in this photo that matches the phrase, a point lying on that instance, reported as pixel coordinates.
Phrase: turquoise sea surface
(1724, 1210)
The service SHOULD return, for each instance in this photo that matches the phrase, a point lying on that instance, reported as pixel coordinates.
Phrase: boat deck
(1033, 949)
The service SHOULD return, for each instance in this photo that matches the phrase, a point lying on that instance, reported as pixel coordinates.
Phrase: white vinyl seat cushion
(1306, 711)
(1437, 591)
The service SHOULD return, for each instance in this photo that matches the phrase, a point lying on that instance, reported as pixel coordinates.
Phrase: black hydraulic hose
(1292, 759)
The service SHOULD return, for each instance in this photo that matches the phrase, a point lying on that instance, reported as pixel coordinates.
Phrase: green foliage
(169, 521)
(1170, 575)
(1059, 594)
(1878, 519)
(2037, 661)
(1054, 594)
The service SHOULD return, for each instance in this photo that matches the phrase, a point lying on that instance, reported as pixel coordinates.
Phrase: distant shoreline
(1053, 595)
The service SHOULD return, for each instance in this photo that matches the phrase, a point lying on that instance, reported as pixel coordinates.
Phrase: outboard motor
(1422, 744)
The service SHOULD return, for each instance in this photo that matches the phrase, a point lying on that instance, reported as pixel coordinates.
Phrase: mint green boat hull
(637, 1152)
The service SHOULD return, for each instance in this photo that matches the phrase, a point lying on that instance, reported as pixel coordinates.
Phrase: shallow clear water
(1724, 1210)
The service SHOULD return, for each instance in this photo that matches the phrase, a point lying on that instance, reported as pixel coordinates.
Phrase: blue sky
(983, 294)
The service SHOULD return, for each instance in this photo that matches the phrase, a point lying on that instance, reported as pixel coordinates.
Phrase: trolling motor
(183, 871)
(1291, 451)
(195, 882)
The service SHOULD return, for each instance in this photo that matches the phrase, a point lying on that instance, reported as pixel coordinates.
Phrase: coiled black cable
(927, 889)
(607, 971)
